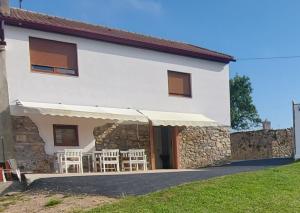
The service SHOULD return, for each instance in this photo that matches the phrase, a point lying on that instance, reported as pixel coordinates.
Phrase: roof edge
(111, 39)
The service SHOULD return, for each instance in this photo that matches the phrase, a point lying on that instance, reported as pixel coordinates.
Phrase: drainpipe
(2, 38)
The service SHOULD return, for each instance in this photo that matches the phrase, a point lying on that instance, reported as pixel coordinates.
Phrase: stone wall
(262, 144)
(198, 146)
(123, 137)
(203, 146)
(29, 146)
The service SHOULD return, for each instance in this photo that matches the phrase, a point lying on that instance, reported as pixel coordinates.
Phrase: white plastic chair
(71, 157)
(13, 168)
(97, 160)
(110, 157)
(135, 157)
(125, 159)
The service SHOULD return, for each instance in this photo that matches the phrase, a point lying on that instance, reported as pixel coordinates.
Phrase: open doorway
(164, 147)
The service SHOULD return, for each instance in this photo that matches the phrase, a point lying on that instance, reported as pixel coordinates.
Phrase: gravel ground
(35, 202)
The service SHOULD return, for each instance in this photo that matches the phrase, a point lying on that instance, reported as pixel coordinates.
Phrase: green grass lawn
(270, 190)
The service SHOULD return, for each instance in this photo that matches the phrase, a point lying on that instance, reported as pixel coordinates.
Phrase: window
(53, 56)
(65, 135)
(179, 84)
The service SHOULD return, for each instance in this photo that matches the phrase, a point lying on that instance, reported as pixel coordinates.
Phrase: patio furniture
(110, 160)
(60, 160)
(134, 157)
(71, 157)
(88, 155)
(11, 168)
(124, 159)
(97, 156)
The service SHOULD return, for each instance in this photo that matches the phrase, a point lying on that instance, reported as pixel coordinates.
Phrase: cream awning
(159, 118)
(79, 111)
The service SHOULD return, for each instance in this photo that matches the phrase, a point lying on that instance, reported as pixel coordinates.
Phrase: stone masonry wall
(198, 146)
(123, 137)
(29, 146)
(262, 144)
(203, 146)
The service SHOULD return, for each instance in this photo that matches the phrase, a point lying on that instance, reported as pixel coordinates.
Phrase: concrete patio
(137, 183)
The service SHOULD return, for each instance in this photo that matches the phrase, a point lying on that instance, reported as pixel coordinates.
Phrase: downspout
(2, 49)
(2, 37)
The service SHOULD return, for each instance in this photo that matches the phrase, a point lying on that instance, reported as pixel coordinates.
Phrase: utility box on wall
(296, 125)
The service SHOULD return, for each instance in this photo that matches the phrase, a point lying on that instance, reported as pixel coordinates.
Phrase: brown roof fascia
(108, 38)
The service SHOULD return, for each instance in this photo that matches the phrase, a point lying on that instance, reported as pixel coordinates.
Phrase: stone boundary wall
(203, 146)
(262, 144)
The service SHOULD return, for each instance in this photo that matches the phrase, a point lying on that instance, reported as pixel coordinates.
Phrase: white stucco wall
(117, 76)
(85, 131)
(297, 129)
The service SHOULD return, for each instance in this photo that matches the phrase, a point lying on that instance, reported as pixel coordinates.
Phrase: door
(163, 147)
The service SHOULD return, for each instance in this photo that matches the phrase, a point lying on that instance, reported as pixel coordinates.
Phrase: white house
(72, 84)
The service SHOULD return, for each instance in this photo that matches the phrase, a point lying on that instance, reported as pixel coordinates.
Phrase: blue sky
(242, 28)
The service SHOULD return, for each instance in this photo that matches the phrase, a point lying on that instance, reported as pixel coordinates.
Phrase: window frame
(63, 126)
(189, 81)
(55, 69)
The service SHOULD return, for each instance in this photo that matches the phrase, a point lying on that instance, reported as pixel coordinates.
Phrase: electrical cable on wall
(268, 58)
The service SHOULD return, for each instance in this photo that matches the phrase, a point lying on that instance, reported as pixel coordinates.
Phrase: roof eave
(117, 40)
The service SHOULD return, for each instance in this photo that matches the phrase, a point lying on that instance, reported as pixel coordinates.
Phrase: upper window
(179, 84)
(65, 135)
(53, 56)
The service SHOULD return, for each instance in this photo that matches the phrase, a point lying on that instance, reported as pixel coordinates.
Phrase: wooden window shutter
(55, 54)
(65, 135)
(179, 83)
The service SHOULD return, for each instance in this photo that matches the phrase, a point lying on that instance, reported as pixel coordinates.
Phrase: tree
(243, 112)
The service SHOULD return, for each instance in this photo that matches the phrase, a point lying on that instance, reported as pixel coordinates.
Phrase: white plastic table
(61, 154)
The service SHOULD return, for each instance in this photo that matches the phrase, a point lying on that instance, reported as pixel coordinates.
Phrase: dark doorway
(163, 147)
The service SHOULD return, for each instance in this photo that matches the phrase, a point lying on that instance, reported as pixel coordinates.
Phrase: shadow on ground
(11, 187)
(139, 184)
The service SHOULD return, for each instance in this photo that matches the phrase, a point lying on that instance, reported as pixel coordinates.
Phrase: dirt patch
(39, 202)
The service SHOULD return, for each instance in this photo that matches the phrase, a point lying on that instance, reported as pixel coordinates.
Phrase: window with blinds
(179, 84)
(53, 56)
(65, 135)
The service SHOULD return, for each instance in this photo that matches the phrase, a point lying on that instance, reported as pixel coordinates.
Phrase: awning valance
(159, 118)
(79, 111)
